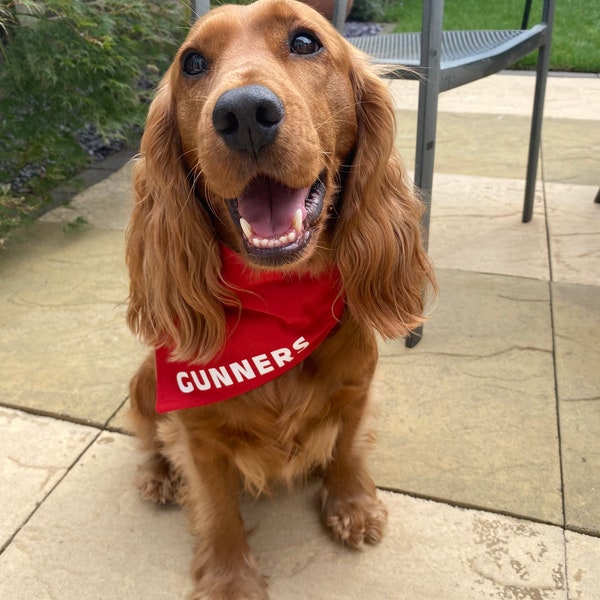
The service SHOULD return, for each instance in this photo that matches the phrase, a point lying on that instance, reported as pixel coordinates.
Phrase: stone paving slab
(570, 151)
(577, 335)
(492, 145)
(92, 176)
(469, 415)
(583, 558)
(94, 538)
(511, 93)
(574, 228)
(35, 453)
(581, 464)
(476, 226)
(65, 348)
(107, 206)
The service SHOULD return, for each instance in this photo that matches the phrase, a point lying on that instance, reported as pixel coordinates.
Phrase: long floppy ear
(377, 242)
(172, 254)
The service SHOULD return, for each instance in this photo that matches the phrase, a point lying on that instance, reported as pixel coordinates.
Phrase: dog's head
(266, 116)
(271, 134)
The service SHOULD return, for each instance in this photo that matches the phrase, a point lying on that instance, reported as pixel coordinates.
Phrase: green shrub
(68, 64)
(369, 10)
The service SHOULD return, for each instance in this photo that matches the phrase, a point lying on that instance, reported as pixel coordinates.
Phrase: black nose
(248, 118)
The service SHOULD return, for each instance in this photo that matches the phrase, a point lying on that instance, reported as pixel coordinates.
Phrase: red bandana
(283, 319)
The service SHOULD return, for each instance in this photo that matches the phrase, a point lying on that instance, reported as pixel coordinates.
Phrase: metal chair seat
(466, 55)
(459, 48)
(456, 45)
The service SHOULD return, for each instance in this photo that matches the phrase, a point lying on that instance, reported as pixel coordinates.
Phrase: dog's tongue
(269, 206)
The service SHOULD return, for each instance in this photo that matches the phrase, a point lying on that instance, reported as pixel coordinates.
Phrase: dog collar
(282, 319)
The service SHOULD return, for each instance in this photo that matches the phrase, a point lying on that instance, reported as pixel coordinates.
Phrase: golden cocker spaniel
(273, 234)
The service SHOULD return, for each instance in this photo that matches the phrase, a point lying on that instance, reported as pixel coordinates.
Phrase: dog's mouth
(276, 221)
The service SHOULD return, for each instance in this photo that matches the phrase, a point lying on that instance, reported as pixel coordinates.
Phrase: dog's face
(266, 116)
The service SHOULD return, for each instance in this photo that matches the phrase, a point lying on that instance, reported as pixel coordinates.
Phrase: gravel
(356, 29)
(96, 146)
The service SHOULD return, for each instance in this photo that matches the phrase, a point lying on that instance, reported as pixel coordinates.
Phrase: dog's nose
(248, 118)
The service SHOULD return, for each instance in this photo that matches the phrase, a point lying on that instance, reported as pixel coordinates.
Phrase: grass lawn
(575, 40)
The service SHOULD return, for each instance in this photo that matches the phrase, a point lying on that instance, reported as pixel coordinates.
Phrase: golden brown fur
(338, 126)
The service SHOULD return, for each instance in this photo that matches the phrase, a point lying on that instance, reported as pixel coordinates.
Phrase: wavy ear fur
(175, 296)
(377, 242)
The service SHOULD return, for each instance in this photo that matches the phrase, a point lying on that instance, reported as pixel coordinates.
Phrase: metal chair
(443, 60)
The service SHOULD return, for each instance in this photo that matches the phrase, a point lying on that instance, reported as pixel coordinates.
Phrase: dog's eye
(194, 64)
(304, 44)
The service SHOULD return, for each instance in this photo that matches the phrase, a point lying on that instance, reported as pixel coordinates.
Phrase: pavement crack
(50, 470)
(583, 399)
(530, 300)
(474, 356)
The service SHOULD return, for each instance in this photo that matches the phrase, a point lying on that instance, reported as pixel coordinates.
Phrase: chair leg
(414, 337)
(431, 44)
(424, 165)
(536, 128)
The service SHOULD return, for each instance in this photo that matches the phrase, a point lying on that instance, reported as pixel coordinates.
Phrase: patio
(489, 448)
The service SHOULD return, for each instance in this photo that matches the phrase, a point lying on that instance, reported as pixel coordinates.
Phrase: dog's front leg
(350, 506)
(223, 567)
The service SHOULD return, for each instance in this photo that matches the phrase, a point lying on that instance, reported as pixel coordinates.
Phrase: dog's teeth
(283, 240)
(246, 228)
(297, 222)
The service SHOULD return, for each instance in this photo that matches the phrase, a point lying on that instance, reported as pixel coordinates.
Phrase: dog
(273, 234)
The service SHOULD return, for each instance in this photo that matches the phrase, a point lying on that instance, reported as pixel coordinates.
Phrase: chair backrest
(526, 13)
(339, 14)
(199, 7)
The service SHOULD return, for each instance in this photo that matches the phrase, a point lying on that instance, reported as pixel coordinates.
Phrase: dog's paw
(158, 485)
(356, 519)
(156, 489)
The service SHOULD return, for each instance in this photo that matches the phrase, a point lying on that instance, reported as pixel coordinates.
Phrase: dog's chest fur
(286, 429)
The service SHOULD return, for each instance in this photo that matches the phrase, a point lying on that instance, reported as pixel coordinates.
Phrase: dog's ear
(173, 258)
(377, 241)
